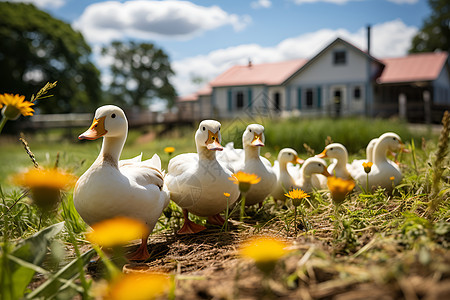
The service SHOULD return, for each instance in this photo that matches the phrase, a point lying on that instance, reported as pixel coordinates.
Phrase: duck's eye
(204, 128)
(113, 116)
(331, 149)
(250, 130)
(394, 138)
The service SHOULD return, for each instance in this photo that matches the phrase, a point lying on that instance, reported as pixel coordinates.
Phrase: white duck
(252, 163)
(382, 170)
(340, 167)
(110, 188)
(310, 167)
(197, 181)
(357, 163)
(285, 179)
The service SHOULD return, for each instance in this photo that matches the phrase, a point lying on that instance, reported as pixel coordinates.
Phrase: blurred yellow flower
(244, 180)
(297, 195)
(116, 231)
(339, 188)
(264, 251)
(139, 286)
(392, 178)
(14, 105)
(45, 185)
(367, 166)
(169, 150)
(226, 194)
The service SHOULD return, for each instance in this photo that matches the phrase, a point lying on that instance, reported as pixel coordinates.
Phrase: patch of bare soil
(320, 265)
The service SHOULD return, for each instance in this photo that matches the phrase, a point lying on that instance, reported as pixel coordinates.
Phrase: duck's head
(208, 135)
(289, 155)
(253, 136)
(334, 150)
(315, 165)
(391, 140)
(109, 121)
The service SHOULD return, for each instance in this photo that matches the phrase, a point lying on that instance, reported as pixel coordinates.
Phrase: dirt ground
(207, 265)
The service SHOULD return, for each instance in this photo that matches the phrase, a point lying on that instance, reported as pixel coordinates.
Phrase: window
(340, 57)
(309, 98)
(277, 101)
(239, 100)
(357, 93)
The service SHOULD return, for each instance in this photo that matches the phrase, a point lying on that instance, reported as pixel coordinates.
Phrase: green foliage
(435, 32)
(37, 48)
(17, 265)
(141, 72)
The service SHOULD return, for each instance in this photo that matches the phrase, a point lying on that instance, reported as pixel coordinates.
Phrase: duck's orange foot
(190, 227)
(140, 254)
(216, 220)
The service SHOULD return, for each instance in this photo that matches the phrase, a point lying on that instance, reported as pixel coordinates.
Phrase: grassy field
(373, 246)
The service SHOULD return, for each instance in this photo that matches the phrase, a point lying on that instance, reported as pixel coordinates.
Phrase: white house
(340, 80)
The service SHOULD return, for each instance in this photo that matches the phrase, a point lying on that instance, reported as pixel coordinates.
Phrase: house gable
(340, 61)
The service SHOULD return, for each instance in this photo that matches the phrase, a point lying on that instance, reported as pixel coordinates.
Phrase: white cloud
(105, 21)
(261, 4)
(388, 39)
(43, 4)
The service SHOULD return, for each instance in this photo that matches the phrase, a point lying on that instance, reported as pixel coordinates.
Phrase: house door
(337, 100)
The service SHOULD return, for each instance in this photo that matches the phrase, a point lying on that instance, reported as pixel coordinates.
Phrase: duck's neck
(379, 153)
(251, 152)
(205, 154)
(283, 166)
(111, 150)
(342, 161)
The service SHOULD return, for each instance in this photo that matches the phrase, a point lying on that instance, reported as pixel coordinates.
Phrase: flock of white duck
(197, 181)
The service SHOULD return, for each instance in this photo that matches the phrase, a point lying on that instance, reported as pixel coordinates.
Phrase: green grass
(373, 239)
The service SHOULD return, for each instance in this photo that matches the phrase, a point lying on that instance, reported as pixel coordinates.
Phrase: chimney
(368, 39)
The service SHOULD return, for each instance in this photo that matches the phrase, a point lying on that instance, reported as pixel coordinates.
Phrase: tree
(435, 32)
(36, 48)
(140, 73)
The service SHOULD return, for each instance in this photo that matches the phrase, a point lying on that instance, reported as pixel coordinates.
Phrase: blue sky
(203, 38)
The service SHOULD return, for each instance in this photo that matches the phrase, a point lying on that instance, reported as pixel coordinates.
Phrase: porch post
(402, 106)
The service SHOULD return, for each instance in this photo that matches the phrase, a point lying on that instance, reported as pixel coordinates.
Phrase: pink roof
(204, 91)
(187, 98)
(268, 73)
(414, 67)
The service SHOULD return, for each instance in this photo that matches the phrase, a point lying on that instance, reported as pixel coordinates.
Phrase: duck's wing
(133, 160)
(230, 155)
(182, 163)
(143, 173)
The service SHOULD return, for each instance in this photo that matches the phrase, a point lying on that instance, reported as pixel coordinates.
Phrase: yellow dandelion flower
(226, 194)
(244, 180)
(339, 188)
(392, 178)
(45, 185)
(367, 166)
(14, 105)
(169, 150)
(297, 195)
(116, 231)
(264, 252)
(139, 286)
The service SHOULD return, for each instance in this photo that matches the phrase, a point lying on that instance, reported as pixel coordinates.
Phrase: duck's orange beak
(257, 140)
(212, 143)
(325, 172)
(323, 154)
(96, 130)
(297, 160)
